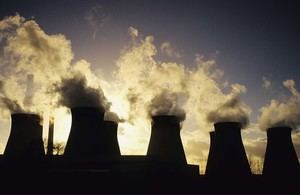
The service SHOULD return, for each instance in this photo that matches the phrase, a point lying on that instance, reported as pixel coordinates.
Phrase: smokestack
(84, 142)
(230, 156)
(165, 143)
(25, 140)
(280, 156)
(50, 137)
(211, 155)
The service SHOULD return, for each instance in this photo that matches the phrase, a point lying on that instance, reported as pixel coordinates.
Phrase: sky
(247, 51)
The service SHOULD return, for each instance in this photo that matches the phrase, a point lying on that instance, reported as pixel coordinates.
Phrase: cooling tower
(280, 156)
(111, 150)
(211, 154)
(25, 140)
(84, 142)
(90, 137)
(165, 143)
(230, 157)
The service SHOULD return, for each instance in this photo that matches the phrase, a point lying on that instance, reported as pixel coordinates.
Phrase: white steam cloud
(282, 113)
(32, 62)
(232, 110)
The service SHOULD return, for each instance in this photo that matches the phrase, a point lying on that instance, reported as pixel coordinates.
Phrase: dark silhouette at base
(25, 140)
(84, 142)
(211, 155)
(229, 154)
(165, 143)
(280, 157)
(110, 145)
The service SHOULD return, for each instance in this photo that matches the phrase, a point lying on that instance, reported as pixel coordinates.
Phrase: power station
(93, 145)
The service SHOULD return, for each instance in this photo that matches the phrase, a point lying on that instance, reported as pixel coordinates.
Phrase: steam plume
(166, 103)
(30, 62)
(74, 92)
(232, 109)
(282, 113)
(111, 116)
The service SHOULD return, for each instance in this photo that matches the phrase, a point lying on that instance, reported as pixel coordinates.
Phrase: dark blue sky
(252, 38)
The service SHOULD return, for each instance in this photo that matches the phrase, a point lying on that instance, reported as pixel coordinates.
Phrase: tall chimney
(211, 155)
(50, 137)
(280, 156)
(25, 140)
(165, 143)
(84, 142)
(230, 156)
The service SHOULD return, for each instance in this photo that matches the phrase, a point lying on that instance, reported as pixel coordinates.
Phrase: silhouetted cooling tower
(211, 154)
(90, 137)
(111, 150)
(230, 156)
(84, 142)
(280, 156)
(25, 140)
(165, 143)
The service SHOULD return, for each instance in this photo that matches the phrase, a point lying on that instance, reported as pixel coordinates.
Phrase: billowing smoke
(12, 105)
(166, 103)
(282, 113)
(111, 116)
(232, 110)
(149, 86)
(30, 62)
(74, 92)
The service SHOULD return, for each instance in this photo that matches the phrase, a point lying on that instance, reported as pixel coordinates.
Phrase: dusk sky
(252, 49)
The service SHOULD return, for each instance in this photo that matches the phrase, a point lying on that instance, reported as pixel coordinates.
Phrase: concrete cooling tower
(25, 140)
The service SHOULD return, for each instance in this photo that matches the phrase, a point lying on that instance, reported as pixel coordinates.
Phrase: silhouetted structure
(280, 156)
(50, 137)
(230, 157)
(165, 143)
(211, 154)
(84, 142)
(25, 140)
(110, 149)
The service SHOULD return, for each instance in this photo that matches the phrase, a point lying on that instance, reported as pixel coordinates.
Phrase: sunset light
(200, 88)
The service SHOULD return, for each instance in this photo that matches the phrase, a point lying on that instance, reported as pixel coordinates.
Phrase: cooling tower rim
(227, 123)
(88, 109)
(25, 115)
(109, 122)
(279, 128)
(166, 117)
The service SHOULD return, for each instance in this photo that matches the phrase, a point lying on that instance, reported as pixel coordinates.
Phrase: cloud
(282, 113)
(169, 50)
(9, 23)
(266, 84)
(96, 17)
(133, 32)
